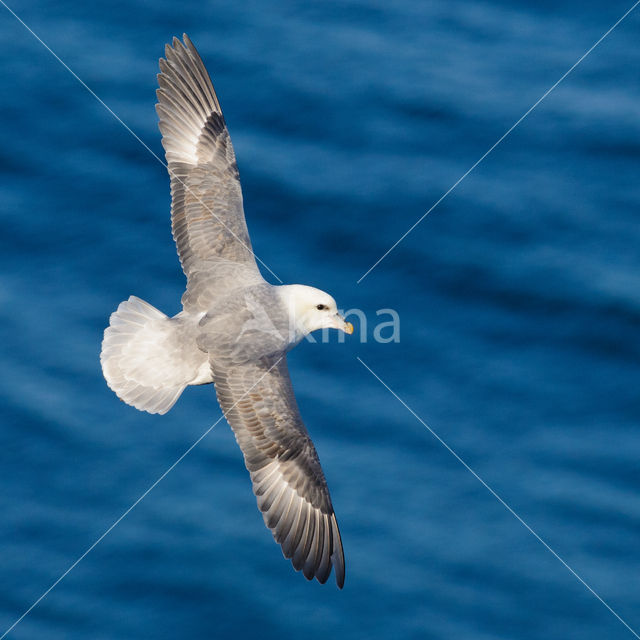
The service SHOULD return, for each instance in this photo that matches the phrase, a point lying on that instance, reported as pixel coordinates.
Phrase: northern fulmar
(235, 328)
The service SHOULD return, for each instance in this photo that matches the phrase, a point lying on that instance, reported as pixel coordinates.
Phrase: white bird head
(311, 309)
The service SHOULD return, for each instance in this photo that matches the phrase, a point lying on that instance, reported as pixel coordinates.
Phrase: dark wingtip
(337, 557)
(340, 577)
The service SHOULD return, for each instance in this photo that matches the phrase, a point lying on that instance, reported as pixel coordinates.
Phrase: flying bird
(235, 328)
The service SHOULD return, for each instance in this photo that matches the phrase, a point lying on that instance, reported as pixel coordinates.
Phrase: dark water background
(519, 298)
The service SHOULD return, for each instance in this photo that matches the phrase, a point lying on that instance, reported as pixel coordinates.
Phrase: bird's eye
(321, 307)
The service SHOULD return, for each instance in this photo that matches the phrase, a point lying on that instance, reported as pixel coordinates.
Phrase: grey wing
(207, 216)
(258, 402)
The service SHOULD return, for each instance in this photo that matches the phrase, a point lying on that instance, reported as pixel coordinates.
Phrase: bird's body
(235, 328)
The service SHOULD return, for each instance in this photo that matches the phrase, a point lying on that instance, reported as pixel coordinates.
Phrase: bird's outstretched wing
(207, 216)
(258, 401)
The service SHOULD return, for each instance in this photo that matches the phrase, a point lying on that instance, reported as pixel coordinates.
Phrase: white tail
(141, 357)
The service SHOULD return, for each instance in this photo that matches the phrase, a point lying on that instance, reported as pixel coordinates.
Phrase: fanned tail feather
(141, 359)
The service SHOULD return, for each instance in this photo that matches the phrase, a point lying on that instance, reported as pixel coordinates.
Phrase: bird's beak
(342, 324)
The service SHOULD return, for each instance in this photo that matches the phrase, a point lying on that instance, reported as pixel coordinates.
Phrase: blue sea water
(519, 300)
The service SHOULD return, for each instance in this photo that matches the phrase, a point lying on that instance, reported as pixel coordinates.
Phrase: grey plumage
(235, 329)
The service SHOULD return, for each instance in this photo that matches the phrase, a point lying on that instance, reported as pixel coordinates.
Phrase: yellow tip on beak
(348, 328)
